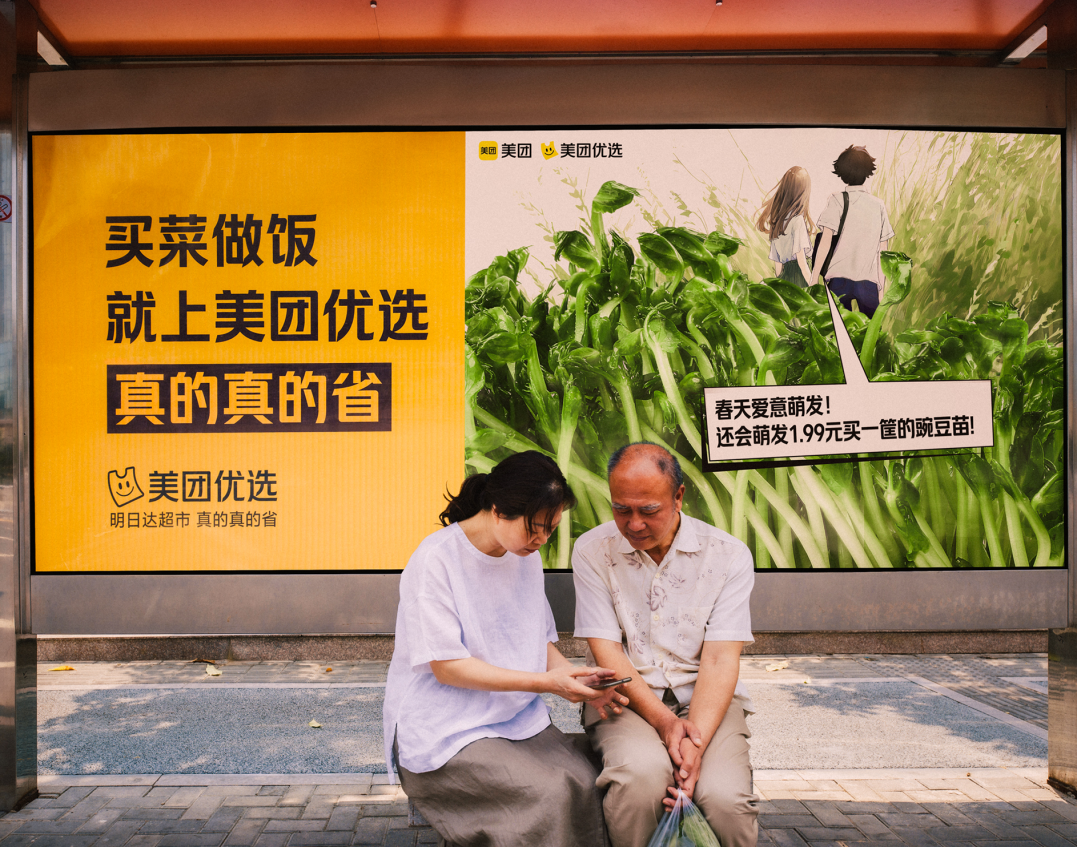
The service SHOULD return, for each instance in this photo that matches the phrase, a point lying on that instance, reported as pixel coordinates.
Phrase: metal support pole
(1062, 643)
(18, 659)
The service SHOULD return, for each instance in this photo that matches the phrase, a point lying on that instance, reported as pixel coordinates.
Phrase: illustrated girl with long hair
(784, 217)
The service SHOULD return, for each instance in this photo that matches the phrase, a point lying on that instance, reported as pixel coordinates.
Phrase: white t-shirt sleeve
(801, 241)
(595, 615)
(432, 621)
(551, 625)
(831, 217)
(888, 231)
(774, 257)
(731, 617)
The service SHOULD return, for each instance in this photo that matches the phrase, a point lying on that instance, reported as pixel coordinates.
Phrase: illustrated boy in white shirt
(854, 273)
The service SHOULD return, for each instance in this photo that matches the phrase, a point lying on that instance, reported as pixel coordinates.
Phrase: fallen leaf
(211, 670)
(778, 666)
(807, 682)
(314, 725)
(62, 668)
(328, 670)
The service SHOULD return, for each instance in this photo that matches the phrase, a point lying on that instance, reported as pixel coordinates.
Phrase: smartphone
(609, 683)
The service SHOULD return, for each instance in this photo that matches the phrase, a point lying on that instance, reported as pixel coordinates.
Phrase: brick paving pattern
(994, 807)
(820, 808)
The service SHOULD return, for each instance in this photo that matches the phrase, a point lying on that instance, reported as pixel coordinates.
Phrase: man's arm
(676, 733)
(719, 667)
(824, 248)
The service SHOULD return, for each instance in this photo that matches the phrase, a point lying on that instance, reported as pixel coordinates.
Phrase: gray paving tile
(157, 814)
(294, 826)
(961, 833)
(192, 839)
(161, 827)
(787, 821)
(72, 796)
(272, 812)
(400, 838)
(869, 825)
(223, 820)
(272, 839)
(826, 813)
(118, 834)
(914, 836)
(51, 827)
(923, 821)
(343, 818)
(371, 831)
(786, 838)
(100, 821)
(321, 839)
(1047, 837)
(826, 833)
(28, 814)
(244, 833)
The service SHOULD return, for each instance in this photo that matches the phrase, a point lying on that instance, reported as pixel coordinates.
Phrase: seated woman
(465, 726)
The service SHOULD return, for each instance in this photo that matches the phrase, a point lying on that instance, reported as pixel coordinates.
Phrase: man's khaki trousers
(637, 771)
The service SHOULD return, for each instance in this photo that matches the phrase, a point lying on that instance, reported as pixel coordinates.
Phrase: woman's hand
(571, 683)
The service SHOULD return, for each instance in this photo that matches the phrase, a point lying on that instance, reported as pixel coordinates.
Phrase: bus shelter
(274, 279)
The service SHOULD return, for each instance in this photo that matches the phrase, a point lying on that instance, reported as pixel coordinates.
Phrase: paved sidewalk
(991, 807)
(101, 720)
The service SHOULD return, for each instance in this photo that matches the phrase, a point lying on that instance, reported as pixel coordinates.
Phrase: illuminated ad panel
(246, 349)
(662, 285)
(277, 351)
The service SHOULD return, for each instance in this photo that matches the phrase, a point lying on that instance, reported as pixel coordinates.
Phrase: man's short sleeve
(831, 216)
(887, 230)
(731, 617)
(595, 615)
(432, 622)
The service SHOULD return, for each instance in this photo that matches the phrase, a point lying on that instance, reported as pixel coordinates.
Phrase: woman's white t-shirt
(456, 602)
(794, 240)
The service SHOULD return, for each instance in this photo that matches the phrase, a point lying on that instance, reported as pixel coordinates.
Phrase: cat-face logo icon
(123, 487)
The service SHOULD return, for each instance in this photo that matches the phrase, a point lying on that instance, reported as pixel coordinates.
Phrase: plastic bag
(683, 826)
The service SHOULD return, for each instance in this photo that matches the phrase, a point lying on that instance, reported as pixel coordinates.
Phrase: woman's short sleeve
(801, 240)
(432, 622)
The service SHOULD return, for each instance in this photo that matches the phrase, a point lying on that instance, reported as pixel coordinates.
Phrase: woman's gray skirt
(539, 792)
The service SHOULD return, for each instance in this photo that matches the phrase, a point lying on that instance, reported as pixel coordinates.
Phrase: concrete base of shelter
(292, 648)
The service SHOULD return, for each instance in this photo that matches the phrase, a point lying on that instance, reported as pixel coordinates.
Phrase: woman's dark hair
(521, 485)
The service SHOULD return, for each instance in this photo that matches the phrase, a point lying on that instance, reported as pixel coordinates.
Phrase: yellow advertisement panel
(246, 348)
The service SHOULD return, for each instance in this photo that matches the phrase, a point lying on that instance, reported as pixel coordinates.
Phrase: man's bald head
(646, 451)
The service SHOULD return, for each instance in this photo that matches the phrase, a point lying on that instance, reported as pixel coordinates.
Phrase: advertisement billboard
(276, 351)
(246, 348)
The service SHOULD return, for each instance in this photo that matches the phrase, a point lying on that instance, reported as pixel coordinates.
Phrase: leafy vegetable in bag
(683, 826)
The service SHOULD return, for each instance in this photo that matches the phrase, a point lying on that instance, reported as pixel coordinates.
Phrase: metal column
(18, 655)
(1062, 643)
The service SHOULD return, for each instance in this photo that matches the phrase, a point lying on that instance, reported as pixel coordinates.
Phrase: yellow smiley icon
(549, 150)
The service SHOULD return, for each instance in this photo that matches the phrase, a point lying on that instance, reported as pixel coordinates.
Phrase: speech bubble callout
(771, 425)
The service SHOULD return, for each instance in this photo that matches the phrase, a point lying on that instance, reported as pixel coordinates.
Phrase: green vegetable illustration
(620, 345)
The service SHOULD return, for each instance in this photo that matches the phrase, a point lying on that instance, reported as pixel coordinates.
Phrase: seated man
(663, 598)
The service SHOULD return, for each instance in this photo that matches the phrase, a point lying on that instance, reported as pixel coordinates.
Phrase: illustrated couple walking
(662, 600)
(854, 229)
